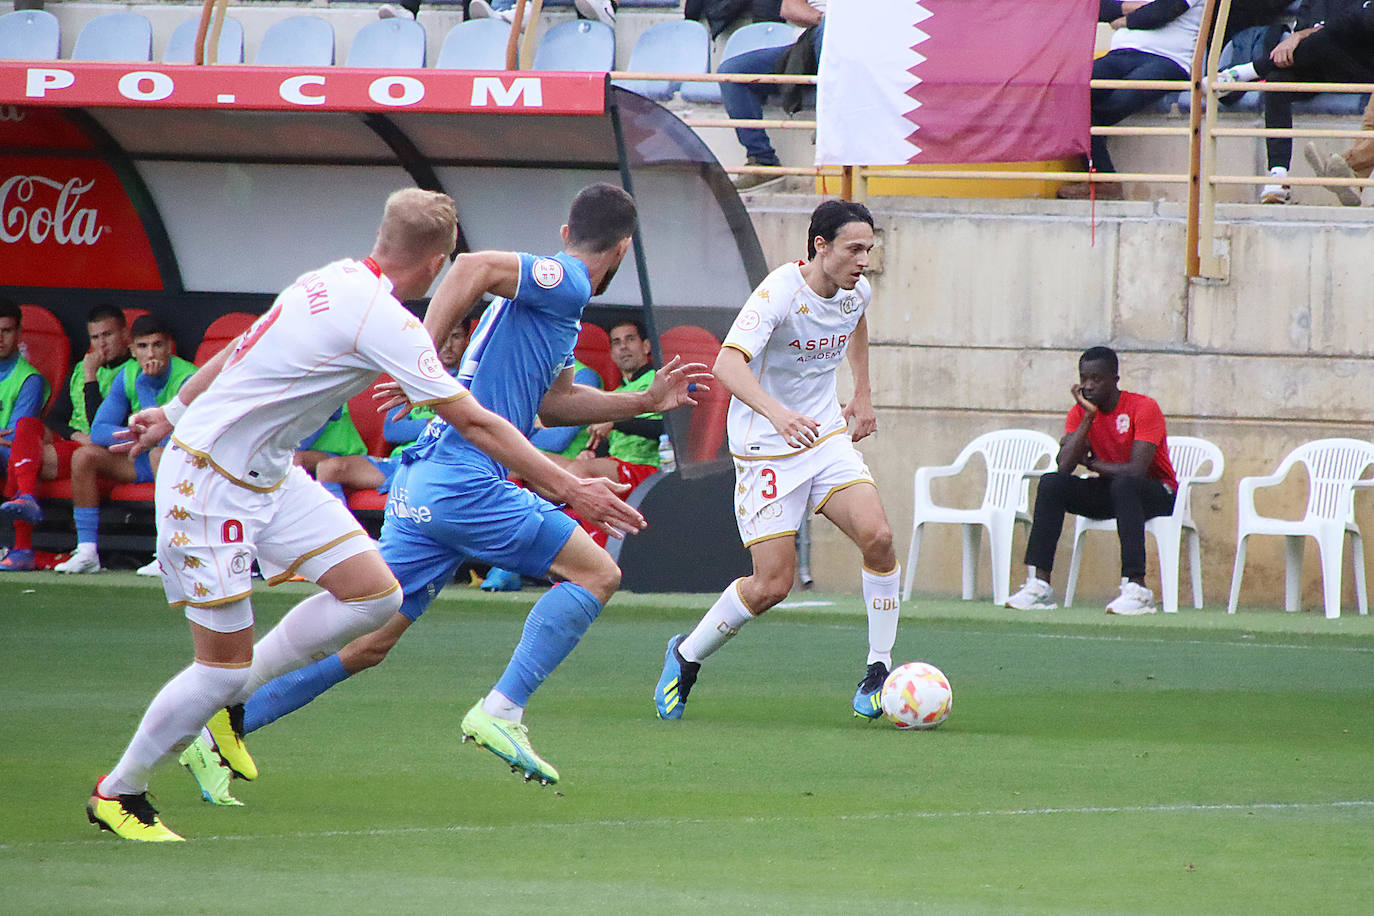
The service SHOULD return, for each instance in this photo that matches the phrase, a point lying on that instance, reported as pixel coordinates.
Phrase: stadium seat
(1012, 457)
(1335, 467)
(477, 44)
(220, 332)
(362, 410)
(751, 37)
(594, 349)
(707, 432)
(181, 46)
(676, 46)
(388, 43)
(133, 314)
(115, 37)
(30, 35)
(578, 45)
(300, 41)
(43, 342)
(1189, 456)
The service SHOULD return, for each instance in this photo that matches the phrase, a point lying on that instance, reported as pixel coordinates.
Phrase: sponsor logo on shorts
(547, 272)
(399, 506)
(429, 364)
(749, 318)
(772, 510)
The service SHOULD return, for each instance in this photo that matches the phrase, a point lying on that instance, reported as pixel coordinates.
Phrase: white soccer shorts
(771, 494)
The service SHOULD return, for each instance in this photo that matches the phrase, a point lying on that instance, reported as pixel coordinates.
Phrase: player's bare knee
(770, 589)
(601, 578)
(877, 549)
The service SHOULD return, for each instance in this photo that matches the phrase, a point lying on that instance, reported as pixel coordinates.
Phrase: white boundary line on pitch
(658, 823)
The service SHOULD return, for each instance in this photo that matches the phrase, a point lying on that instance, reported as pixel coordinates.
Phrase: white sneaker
(480, 9)
(1278, 193)
(1133, 600)
(152, 569)
(392, 11)
(1035, 595)
(82, 561)
(1333, 165)
(601, 10)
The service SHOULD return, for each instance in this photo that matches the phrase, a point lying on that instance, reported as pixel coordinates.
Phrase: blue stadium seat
(388, 43)
(478, 44)
(578, 45)
(30, 35)
(676, 46)
(115, 37)
(301, 41)
(181, 46)
(751, 37)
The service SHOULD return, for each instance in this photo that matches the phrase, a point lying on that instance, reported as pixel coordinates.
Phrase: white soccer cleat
(1035, 595)
(152, 569)
(1133, 600)
(82, 561)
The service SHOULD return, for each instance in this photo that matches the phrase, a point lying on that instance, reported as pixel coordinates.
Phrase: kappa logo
(411, 324)
(762, 294)
(192, 563)
(178, 513)
(185, 488)
(547, 272)
(1123, 424)
(180, 539)
(199, 462)
(803, 310)
(200, 591)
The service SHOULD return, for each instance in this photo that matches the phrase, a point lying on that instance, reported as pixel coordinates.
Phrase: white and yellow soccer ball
(917, 695)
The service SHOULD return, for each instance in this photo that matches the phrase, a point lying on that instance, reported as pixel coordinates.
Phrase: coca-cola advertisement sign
(68, 223)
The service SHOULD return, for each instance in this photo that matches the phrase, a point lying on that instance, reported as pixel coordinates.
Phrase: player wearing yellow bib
(792, 443)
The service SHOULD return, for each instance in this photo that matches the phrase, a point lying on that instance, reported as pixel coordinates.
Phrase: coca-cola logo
(11, 113)
(24, 215)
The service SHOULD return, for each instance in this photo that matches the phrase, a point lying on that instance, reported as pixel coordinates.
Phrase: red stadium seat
(594, 350)
(363, 411)
(132, 314)
(220, 332)
(366, 501)
(44, 343)
(698, 345)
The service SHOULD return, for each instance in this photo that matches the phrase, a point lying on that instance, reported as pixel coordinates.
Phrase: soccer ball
(917, 695)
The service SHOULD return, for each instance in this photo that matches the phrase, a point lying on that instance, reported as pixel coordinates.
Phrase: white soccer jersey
(325, 339)
(794, 339)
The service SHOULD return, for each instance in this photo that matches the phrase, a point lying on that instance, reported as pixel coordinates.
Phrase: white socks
(501, 706)
(721, 622)
(173, 719)
(883, 601)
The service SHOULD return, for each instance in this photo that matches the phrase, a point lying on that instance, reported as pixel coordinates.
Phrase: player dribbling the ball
(792, 443)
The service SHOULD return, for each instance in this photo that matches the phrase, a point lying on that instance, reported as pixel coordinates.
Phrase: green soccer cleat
(226, 727)
(510, 741)
(211, 773)
(129, 817)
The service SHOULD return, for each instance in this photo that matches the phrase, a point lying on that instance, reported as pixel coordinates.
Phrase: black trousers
(1129, 500)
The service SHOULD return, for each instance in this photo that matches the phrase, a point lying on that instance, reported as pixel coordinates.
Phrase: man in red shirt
(1120, 437)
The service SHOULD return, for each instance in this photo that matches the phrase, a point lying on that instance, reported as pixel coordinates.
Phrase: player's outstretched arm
(150, 426)
(471, 276)
(859, 411)
(732, 371)
(595, 500)
(570, 404)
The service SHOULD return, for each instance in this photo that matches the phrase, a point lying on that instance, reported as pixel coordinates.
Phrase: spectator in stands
(154, 377)
(1356, 162)
(1151, 41)
(32, 458)
(23, 391)
(745, 100)
(1120, 437)
(719, 14)
(1332, 42)
(601, 10)
(364, 472)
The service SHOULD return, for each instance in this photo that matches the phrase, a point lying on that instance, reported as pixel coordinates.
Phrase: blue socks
(552, 629)
(290, 692)
(87, 524)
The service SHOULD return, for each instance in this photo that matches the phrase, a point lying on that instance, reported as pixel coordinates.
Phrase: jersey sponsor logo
(1123, 424)
(748, 319)
(429, 364)
(849, 305)
(820, 343)
(547, 272)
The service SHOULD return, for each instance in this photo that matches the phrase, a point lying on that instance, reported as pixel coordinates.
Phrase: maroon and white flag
(934, 81)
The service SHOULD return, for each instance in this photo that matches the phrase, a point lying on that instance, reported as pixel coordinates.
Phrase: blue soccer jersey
(517, 350)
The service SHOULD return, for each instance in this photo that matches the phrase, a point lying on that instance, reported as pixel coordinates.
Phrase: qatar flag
(932, 81)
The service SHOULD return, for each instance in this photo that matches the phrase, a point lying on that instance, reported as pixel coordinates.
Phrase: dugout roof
(199, 190)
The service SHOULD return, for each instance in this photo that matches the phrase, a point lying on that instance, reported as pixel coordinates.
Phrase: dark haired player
(792, 443)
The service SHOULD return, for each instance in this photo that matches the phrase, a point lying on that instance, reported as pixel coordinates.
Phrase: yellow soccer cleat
(210, 771)
(130, 817)
(510, 741)
(226, 727)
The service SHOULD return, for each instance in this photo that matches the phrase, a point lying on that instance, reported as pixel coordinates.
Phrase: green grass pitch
(1191, 764)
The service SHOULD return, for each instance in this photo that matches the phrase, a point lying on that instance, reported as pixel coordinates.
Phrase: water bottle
(667, 461)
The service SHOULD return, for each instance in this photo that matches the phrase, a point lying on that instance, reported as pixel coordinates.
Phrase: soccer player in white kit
(227, 492)
(792, 442)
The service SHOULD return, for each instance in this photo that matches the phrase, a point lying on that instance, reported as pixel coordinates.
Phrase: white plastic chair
(1012, 456)
(1189, 456)
(1334, 468)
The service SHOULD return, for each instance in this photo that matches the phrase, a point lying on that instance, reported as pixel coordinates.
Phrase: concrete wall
(980, 311)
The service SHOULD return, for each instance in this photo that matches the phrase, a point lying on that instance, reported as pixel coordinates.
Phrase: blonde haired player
(228, 494)
(792, 442)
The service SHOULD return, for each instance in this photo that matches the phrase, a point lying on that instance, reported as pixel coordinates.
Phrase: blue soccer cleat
(502, 580)
(23, 508)
(868, 699)
(670, 696)
(17, 560)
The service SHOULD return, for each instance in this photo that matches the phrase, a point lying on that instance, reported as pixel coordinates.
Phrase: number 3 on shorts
(770, 483)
